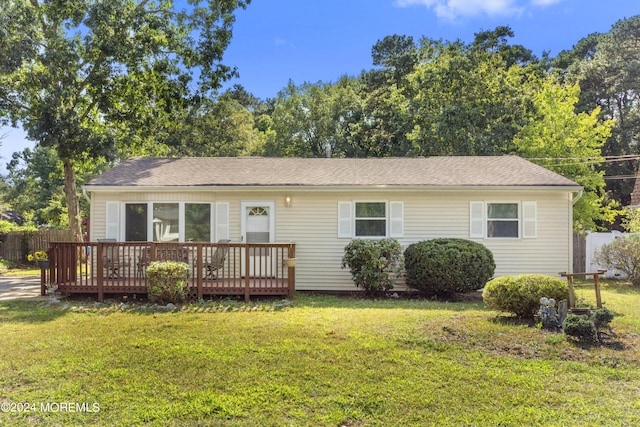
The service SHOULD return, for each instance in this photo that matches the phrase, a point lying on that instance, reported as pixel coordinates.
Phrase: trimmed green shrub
(167, 282)
(445, 266)
(622, 254)
(521, 295)
(580, 327)
(602, 317)
(587, 328)
(374, 264)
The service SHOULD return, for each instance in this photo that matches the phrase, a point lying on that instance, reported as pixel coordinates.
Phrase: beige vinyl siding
(312, 223)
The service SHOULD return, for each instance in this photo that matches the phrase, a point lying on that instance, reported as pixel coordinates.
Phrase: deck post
(247, 272)
(100, 267)
(43, 282)
(199, 267)
(291, 273)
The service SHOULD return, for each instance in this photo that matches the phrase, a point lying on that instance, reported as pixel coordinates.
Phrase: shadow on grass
(30, 311)
(409, 301)
(42, 311)
(611, 342)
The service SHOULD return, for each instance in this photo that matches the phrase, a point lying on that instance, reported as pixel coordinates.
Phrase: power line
(587, 160)
(613, 177)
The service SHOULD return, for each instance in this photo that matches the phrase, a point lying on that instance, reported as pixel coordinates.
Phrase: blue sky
(321, 40)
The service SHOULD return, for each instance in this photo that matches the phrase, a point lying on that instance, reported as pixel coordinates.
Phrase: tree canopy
(87, 78)
(103, 80)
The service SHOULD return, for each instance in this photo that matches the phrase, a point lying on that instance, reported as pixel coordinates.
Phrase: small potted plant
(40, 257)
(291, 262)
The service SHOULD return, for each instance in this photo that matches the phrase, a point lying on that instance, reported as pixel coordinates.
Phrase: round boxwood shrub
(521, 295)
(445, 266)
(167, 282)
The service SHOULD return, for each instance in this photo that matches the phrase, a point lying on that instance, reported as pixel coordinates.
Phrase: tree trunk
(73, 202)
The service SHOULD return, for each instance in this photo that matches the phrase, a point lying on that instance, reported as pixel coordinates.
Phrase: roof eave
(223, 188)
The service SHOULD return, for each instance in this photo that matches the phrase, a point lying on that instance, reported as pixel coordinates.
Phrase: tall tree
(35, 183)
(397, 55)
(607, 67)
(570, 144)
(218, 127)
(464, 100)
(83, 77)
(309, 117)
(497, 41)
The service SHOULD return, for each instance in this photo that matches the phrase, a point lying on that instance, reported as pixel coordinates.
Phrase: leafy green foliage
(308, 117)
(7, 226)
(622, 254)
(606, 68)
(374, 264)
(445, 266)
(631, 220)
(520, 295)
(167, 281)
(588, 327)
(602, 317)
(220, 127)
(580, 327)
(463, 100)
(87, 78)
(565, 138)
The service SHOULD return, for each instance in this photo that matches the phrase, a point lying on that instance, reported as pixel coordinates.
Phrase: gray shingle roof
(270, 171)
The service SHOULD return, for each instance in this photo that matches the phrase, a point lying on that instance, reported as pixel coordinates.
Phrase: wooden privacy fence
(215, 268)
(18, 244)
(579, 252)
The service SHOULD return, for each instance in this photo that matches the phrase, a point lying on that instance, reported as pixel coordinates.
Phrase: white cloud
(544, 3)
(284, 42)
(451, 10)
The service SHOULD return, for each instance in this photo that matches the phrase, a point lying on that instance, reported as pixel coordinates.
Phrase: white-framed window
(197, 222)
(370, 219)
(503, 219)
(135, 222)
(167, 221)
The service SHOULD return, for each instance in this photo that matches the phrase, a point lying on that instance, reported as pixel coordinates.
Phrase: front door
(257, 226)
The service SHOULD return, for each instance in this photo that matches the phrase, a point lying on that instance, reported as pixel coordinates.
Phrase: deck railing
(215, 268)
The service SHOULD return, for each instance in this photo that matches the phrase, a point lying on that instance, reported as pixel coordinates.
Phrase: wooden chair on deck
(112, 260)
(143, 262)
(217, 260)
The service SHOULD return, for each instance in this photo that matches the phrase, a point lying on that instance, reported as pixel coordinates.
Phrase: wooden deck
(104, 268)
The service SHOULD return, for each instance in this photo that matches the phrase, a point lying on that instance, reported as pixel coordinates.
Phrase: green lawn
(323, 361)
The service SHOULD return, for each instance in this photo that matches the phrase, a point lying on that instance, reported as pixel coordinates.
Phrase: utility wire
(587, 160)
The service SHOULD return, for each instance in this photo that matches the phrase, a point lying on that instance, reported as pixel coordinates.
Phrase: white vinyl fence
(594, 242)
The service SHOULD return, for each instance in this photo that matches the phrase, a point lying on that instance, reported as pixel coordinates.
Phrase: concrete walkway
(19, 287)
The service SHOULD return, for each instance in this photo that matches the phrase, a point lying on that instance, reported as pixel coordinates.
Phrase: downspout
(88, 199)
(86, 196)
(577, 196)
